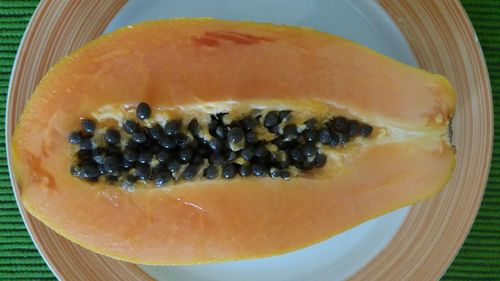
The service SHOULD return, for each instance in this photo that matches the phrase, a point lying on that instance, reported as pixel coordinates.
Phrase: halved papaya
(396, 150)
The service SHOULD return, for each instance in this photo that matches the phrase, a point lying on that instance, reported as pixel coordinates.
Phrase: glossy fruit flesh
(211, 66)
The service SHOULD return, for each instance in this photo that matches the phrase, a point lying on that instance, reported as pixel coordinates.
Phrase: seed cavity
(268, 144)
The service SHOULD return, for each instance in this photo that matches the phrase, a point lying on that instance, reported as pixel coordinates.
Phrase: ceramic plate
(413, 243)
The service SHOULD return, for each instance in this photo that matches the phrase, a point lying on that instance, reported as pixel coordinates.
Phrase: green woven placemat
(479, 258)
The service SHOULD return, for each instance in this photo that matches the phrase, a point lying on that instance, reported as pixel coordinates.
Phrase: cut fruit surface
(186, 69)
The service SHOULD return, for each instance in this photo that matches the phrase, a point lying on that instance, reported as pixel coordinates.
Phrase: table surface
(478, 259)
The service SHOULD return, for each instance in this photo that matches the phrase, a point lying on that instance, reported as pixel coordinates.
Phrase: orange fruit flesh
(179, 63)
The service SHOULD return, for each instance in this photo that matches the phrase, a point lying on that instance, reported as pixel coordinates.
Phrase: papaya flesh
(191, 66)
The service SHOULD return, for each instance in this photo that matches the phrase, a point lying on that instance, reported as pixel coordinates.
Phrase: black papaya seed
(143, 111)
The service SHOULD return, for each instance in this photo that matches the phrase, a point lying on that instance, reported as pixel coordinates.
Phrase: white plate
(432, 232)
(363, 21)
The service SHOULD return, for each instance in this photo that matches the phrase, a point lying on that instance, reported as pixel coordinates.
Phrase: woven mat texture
(478, 259)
